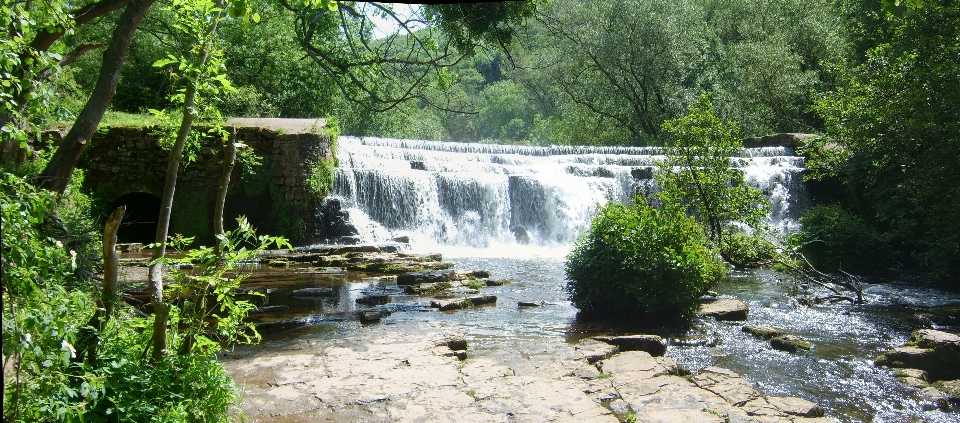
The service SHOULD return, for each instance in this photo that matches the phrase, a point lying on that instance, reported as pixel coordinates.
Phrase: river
(515, 211)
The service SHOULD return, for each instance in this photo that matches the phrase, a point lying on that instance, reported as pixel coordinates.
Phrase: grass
(114, 118)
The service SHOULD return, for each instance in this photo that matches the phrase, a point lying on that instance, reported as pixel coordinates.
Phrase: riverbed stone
(432, 276)
(939, 363)
(950, 388)
(929, 338)
(313, 292)
(933, 398)
(652, 344)
(763, 332)
(789, 343)
(637, 365)
(723, 309)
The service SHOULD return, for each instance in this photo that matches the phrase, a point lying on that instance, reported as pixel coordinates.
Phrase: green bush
(834, 239)
(637, 259)
(745, 250)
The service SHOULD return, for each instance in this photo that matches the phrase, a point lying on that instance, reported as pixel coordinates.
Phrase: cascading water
(483, 195)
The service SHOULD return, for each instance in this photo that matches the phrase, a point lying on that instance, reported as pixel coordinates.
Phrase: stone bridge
(277, 192)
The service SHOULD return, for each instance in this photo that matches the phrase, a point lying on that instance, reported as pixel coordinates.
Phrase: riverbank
(381, 373)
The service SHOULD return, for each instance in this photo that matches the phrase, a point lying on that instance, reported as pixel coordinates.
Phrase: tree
(699, 174)
(337, 36)
(893, 132)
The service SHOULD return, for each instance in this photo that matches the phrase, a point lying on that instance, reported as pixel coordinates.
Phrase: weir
(481, 195)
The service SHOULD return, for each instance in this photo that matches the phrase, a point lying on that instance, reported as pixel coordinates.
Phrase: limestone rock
(929, 338)
(940, 362)
(914, 373)
(529, 303)
(370, 316)
(727, 384)
(594, 351)
(933, 398)
(724, 309)
(432, 276)
(374, 299)
(950, 388)
(789, 343)
(483, 300)
(796, 406)
(313, 292)
(636, 365)
(763, 332)
(652, 344)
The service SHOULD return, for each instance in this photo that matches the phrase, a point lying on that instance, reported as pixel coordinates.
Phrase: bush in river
(637, 259)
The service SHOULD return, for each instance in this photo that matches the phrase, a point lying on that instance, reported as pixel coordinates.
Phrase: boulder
(499, 282)
(522, 304)
(374, 299)
(724, 309)
(278, 263)
(913, 378)
(950, 388)
(431, 276)
(401, 239)
(369, 316)
(313, 292)
(483, 299)
(652, 344)
(763, 332)
(479, 274)
(933, 351)
(789, 343)
(933, 398)
(929, 338)
(457, 304)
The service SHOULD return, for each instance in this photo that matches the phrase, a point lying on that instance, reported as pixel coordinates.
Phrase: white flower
(65, 346)
(58, 243)
(73, 259)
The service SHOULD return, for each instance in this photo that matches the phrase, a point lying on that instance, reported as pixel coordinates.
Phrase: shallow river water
(838, 373)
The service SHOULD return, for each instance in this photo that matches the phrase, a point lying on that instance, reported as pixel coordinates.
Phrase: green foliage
(835, 239)
(697, 175)
(24, 94)
(893, 128)
(43, 316)
(746, 250)
(637, 259)
(210, 309)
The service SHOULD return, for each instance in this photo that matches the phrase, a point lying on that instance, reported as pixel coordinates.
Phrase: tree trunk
(228, 160)
(161, 309)
(56, 175)
(90, 340)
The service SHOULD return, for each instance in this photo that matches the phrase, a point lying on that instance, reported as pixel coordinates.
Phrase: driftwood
(807, 272)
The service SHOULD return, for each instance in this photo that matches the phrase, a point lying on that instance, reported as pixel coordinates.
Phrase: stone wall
(274, 195)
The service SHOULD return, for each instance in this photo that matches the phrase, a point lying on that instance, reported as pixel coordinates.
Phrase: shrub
(832, 238)
(637, 259)
(745, 250)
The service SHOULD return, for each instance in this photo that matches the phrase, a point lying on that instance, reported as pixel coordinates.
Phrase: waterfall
(484, 195)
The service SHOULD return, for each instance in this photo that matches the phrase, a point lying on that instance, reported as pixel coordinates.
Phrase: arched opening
(140, 221)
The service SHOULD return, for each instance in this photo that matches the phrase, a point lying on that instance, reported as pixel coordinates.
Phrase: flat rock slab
(652, 344)
(727, 384)
(724, 309)
(382, 373)
(432, 276)
(929, 338)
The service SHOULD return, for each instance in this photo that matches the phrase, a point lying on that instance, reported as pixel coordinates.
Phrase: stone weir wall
(128, 166)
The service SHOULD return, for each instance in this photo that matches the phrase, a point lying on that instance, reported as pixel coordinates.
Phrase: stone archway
(140, 221)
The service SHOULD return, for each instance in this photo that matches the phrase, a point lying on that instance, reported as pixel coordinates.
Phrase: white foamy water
(491, 199)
